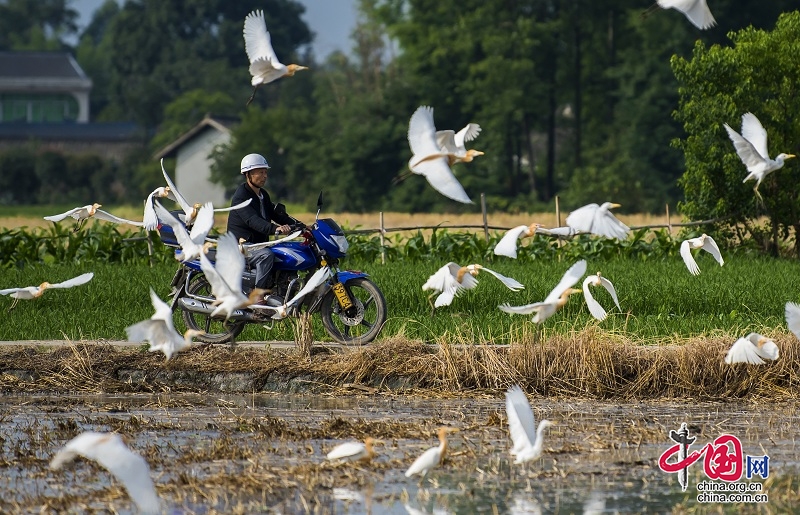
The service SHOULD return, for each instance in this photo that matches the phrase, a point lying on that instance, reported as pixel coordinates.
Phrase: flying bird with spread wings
(34, 292)
(83, 213)
(696, 11)
(526, 437)
(595, 308)
(598, 220)
(704, 242)
(159, 330)
(452, 279)
(555, 300)
(454, 143)
(753, 348)
(264, 64)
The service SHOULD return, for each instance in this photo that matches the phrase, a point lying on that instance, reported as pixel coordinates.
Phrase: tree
(758, 74)
(40, 25)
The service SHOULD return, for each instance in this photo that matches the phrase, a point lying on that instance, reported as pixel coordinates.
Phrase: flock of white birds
(433, 155)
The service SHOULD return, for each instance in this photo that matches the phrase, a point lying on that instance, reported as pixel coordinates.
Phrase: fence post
(558, 213)
(383, 250)
(669, 223)
(485, 224)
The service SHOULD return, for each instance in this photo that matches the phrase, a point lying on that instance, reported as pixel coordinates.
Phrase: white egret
(704, 242)
(150, 219)
(433, 456)
(507, 246)
(190, 211)
(452, 279)
(696, 11)
(159, 330)
(751, 146)
(83, 213)
(454, 143)
(34, 292)
(555, 300)
(526, 437)
(108, 450)
(595, 308)
(193, 244)
(429, 159)
(354, 451)
(598, 220)
(793, 318)
(225, 277)
(751, 349)
(264, 64)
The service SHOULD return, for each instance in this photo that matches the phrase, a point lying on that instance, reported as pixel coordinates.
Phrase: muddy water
(265, 454)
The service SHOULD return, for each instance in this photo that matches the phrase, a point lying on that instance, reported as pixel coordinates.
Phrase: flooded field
(265, 453)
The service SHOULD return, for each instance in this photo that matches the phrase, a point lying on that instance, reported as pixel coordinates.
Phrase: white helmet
(253, 161)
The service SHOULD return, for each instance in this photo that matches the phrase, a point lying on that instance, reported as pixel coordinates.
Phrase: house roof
(68, 131)
(220, 123)
(41, 70)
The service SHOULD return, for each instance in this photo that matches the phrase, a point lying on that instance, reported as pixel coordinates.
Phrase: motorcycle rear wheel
(365, 326)
(216, 329)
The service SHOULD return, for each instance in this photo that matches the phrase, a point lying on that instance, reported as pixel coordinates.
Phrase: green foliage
(757, 74)
(39, 25)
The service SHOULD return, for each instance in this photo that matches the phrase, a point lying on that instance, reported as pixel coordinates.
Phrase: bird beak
(574, 290)
(616, 205)
(789, 156)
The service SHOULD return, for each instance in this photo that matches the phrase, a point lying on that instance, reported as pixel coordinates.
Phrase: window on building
(15, 107)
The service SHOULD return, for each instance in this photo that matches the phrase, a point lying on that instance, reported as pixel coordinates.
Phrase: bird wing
(162, 309)
(313, 283)
(248, 249)
(610, 289)
(743, 351)
(595, 308)
(203, 223)
(157, 332)
(754, 132)
(686, 254)
(424, 462)
(521, 422)
(792, 317)
(438, 281)
(583, 218)
(346, 450)
(510, 283)
(711, 247)
(108, 217)
(527, 309)
(10, 290)
(181, 234)
(559, 231)
(257, 41)
(229, 261)
(744, 149)
(240, 205)
(75, 281)
(696, 11)
(441, 178)
(219, 288)
(111, 453)
(768, 350)
(446, 141)
(507, 246)
(150, 220)
(468, 133)
(174, 194)
(422, 133)
(571, 276)
(72, 212)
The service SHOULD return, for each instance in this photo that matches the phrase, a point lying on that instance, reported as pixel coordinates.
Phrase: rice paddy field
(245, 430)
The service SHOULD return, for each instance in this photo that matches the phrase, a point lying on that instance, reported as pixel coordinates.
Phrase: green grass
(659, 298)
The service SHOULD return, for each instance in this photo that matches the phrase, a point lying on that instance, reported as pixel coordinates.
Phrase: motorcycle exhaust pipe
(196, 306)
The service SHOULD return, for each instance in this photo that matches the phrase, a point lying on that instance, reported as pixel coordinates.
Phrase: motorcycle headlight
(341, 242)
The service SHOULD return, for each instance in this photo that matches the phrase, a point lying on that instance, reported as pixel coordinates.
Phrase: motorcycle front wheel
(366, 322)
(216, 329)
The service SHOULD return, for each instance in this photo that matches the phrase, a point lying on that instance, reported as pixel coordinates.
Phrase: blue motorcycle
(352, 307)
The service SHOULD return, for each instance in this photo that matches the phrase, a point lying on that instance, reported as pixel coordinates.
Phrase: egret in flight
(193, 244)
(83, 213)
(452, 279)
(696, 11)
(159, 330)
(264, 64)
(354, 451)
(111, 453)
(34, 292)
(751, 349)
(598, 220)
(595, 308)
(704, 242)
(526, 437)
(433, 456)
(225, 277)
(751, 146)
(555, 300)
(454, 143)
(150, 219)
(430, 160)
(507, 246)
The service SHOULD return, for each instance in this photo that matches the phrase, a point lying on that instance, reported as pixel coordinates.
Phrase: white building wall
(193, 168)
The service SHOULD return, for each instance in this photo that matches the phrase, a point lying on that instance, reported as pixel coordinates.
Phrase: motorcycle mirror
(319, 204)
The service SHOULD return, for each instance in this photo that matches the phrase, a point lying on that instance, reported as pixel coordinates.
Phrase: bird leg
(255, 88)
(760, 198)
(650, 10)
(430, 301)
(79, 225)
(403, 176)
(13, 304)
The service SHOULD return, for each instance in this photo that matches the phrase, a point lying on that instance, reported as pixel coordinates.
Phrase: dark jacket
(248, 223)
